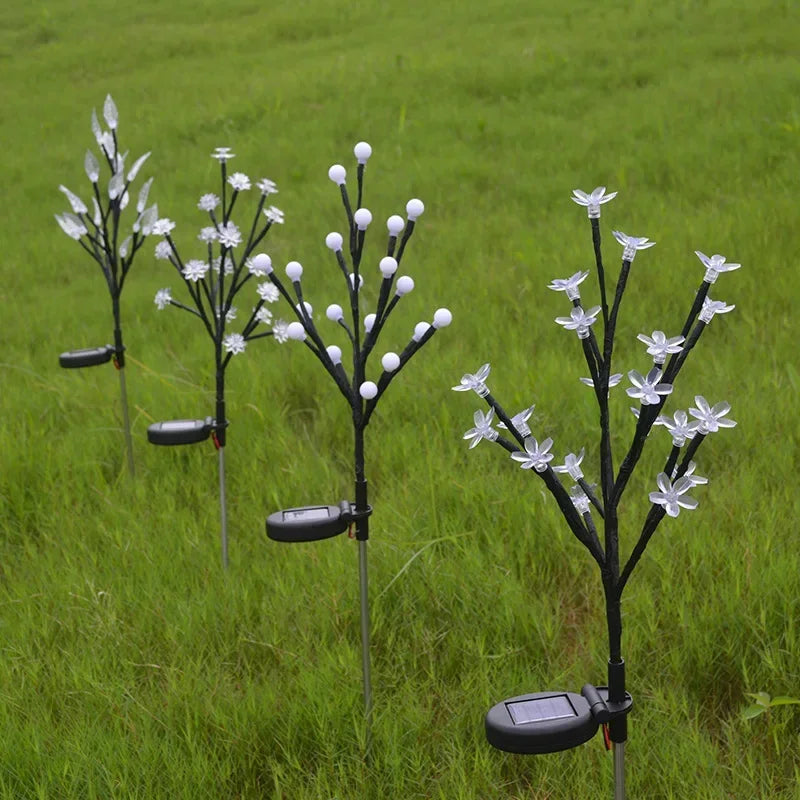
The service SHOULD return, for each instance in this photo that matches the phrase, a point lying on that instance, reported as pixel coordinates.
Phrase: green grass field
(133, 667)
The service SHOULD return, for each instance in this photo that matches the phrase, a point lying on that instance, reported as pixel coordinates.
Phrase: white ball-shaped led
(334, 312)
(420, 329)
(294, 269)
(337, 173)
(362, 151)
(362, 218)
(369, 321)
(395, 224)
(334, 353)
(388, 266)
(442, 318)
(390, 362)
(414, 209)
(296, 331)
(405, 284)
(309, 307)
(263, 263)
(334, 241)
(368, 390)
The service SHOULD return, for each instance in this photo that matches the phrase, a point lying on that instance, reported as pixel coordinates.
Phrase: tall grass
(132, 667)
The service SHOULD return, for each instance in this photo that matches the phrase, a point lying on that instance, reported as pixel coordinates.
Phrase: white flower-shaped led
(274, 215)
(696, 480)
(208, 202)
(714, 266)
(569, 285)
(647, 388)
(659, 346)
(475, 383)
(579, 320)
(572, 465)
(520, 421)
(279, 331)
(713, 307)
(536, 456)
(579, 499)
(268, 292)
(239, 181)
(223, 154)
(673, 496)
(679, 426)
(260, 266)
(234, 343)
(163, 226)
(264, 315)
(266, 186)
(631, 244)
(613, 380)
(163, 298)
(208, 234)
(163, 250)
(230, 235)
(711, 418)
(195, 269)
(592, 201)
(483, 428)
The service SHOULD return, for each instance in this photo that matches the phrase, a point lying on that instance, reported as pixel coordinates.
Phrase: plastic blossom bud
(592, 201)
(395, 224)
(711, 418)
(334, 312)
(388, 266)
(337, 173)
(308, 307)
(334, 353)
(420, 329)
(362, 218)
(579, 320)
(631, 244)
(442, 318)
(353, 281)
(572, 465)
(368, 390)
(294, 269)
(714, 266)
(520, 421)
(334, 241)
(296, 331)
(648, 389)
(362, 151)
(569, 285)
(390, 362)
(414, 209)
(404, 285)
(660, 347)
(579, 499)
(673, 496)
(536, 456)
(713, 307)
(475, 383)
(369, 321)
(262, 265)
(483, 428)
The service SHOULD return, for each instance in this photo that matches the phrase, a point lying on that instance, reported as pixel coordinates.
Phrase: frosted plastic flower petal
(483, 428)
(714, 266)
(234, 343)
(647, 388)
(193, 270)
(280, 331)
(592, 201)
(137, 165)
(208, 234)
(631, 244)
(163, 298)
(268, 292)
(264, 315)
(230, 235)
(110, 113)
(475, 383)
(569, 285)
(78, 206)
(71, 225)
(208, 202)
(163, 226)
(536, 456)
(711, 419)
(266, 186)
(223, 154)
(92, 166)
(659, 346)
(239, 181)
(673, 496)
(274, 215)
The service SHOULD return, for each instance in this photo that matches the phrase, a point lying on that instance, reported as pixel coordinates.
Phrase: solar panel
(541, 709)
(306, 514)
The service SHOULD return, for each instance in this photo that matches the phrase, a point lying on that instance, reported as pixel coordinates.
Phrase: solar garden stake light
(99, 232)
(213, 282)
(550, 721)
(362, 395)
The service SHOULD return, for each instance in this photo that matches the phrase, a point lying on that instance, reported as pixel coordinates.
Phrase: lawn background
(131, 666)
